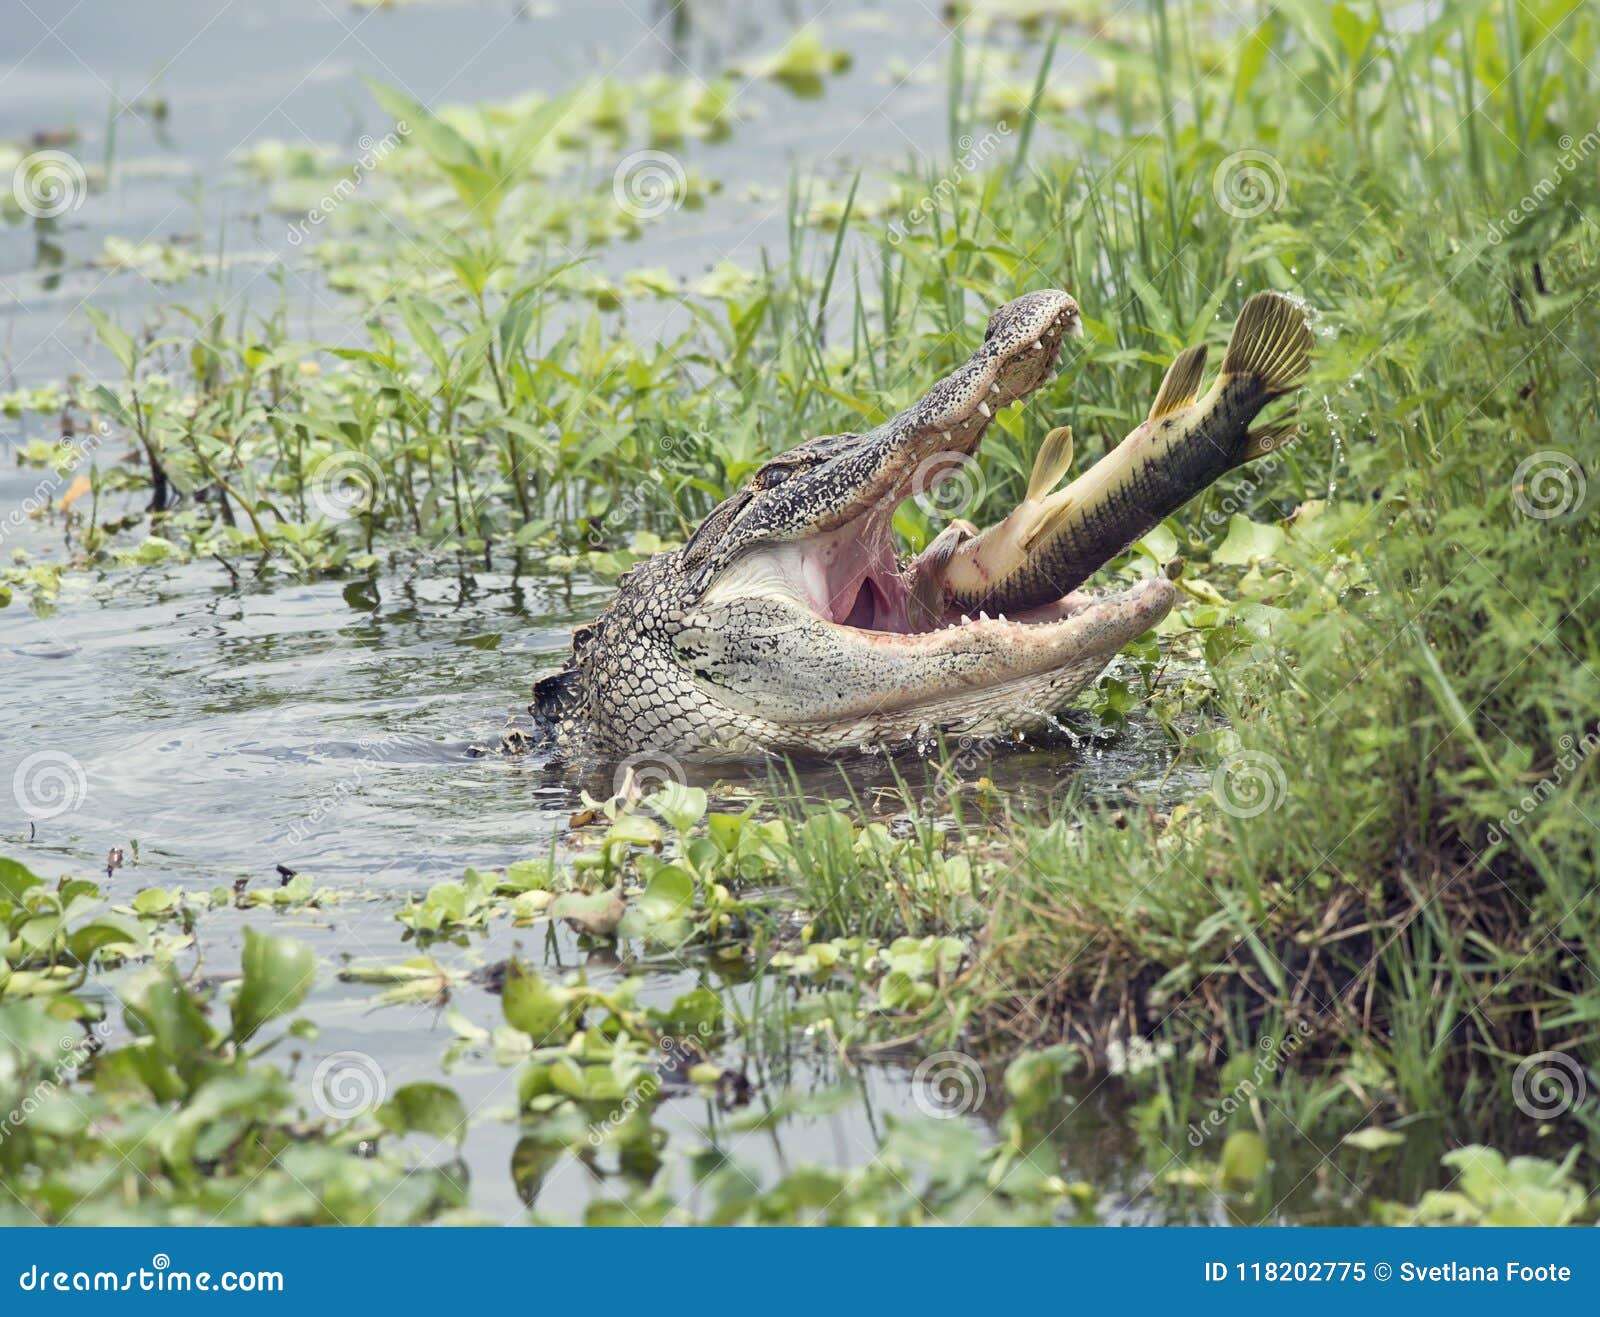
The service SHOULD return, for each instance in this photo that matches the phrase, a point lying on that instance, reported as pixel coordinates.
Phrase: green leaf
(1252, 59)
(668, 895)
(682, 807)
(598, 913)
(170, 1015)
(542, 1011)
(1248, 541)
(277, 974)
(122, 346)
(1244, 1160)
(532, 131)
(104, 932)
(634, 830)
(16, 878)
(426, 1109)
(1160, 545)
(1373, 1138)
(154, 901)
(444, 144)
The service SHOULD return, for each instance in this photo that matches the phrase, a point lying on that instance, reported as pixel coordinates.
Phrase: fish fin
(1051, 463)
(1181, 384)
(1271, 342)
(1266, 439)
(1048, 521)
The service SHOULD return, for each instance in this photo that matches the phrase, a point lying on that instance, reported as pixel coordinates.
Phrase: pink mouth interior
(853, 578)
(852, 574)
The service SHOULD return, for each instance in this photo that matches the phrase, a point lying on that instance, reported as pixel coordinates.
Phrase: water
(166, 100)
(326, 728)
(223, 729)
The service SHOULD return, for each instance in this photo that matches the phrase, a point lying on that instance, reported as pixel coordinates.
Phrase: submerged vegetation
(1373, 940)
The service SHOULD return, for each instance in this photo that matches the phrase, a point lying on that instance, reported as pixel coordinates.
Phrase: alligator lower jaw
(987, 674)
(1077, 626)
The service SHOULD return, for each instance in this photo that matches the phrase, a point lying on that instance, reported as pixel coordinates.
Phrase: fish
(1056, 539)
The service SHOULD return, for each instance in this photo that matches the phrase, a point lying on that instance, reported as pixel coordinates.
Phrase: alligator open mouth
(788, 622)
(850, 574)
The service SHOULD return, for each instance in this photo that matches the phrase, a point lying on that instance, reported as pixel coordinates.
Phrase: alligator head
(788, 622)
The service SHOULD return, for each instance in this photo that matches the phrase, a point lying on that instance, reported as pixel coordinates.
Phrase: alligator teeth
(944, 435)
(983, 409)
(994, 388)
(982, 616)
(1000, 617)
(1038, 346)
(965, 620)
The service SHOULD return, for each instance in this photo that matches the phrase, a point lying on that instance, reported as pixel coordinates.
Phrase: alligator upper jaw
(848, 567)
(914, 451)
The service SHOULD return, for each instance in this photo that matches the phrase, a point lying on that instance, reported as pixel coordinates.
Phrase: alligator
(787, 622)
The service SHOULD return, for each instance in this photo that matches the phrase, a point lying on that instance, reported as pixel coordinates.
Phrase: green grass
(1382, 684)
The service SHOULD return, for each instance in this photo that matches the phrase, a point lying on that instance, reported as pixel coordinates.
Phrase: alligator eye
(772, 476)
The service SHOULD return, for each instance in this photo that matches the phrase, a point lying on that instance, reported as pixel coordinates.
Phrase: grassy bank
(1386, 666)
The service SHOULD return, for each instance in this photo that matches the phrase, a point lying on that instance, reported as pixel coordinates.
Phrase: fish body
(1054, 541)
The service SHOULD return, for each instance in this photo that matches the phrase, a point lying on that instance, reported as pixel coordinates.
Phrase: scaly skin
(782, 624)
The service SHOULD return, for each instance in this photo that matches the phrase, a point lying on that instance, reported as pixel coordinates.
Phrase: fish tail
(1271, 344)
(1264, 439)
